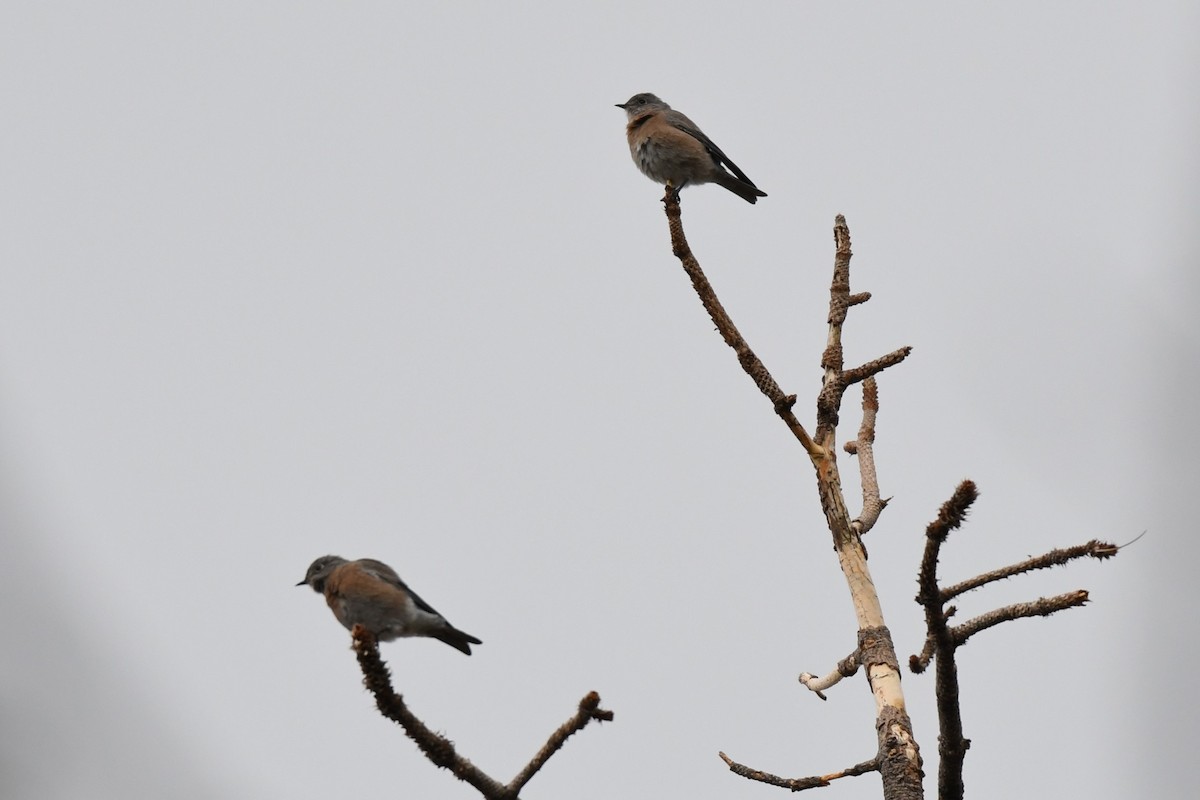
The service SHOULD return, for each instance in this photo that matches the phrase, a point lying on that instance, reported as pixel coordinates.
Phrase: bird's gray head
(318, 572)
(641, 103)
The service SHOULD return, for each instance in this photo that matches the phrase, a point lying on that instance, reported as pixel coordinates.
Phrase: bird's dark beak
(302, 583)
(619, 105)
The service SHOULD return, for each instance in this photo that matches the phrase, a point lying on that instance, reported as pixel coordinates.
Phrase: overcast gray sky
(379, 279)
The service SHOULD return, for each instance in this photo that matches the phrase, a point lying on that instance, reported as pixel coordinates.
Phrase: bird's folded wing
(718, 155)
(388, 575)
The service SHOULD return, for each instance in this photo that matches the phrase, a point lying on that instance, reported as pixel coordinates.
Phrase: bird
(369, 593)
(671, 149)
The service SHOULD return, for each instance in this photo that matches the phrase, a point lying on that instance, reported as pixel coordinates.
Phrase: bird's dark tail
(456, 639)
(747, 191)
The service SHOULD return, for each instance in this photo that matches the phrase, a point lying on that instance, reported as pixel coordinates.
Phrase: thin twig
(799, 784)
(918, 663)
(874, 367)
(844, 669)
(1093, 549)
(1042, 607)
(589, 709)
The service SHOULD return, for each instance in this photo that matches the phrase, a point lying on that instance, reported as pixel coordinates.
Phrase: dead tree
(898, 757)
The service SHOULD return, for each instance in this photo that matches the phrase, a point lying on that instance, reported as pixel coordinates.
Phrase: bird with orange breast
(671, 149)
(369, 593)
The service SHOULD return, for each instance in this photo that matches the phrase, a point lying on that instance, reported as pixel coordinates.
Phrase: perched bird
(369, 593)
(670, 149)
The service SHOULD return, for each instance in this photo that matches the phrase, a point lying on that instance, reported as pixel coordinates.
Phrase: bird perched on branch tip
(671, 149)
(369, 593)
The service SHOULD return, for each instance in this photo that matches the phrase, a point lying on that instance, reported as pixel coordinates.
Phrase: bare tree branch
(856, 374)
(589, 709)
(439, 749)
(799, 784)
(942, 641)
(836, 378)
(918, 663)
(864, 448)
(1042, 607)
(952, 745)
(844, 669)
(1093, 549)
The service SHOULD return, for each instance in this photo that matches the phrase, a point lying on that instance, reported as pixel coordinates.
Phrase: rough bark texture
(899, 757)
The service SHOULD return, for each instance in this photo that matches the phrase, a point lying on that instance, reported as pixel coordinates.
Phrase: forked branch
(439, 749)
(943, 640)
(898, 759)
